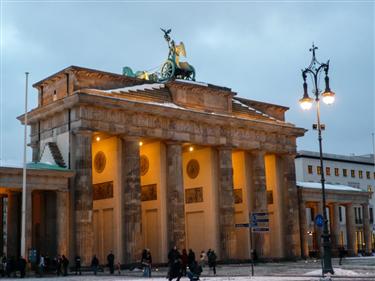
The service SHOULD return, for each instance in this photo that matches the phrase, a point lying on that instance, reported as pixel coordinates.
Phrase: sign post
(258, 222)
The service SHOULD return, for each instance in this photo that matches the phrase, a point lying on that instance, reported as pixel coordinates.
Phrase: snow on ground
(338, 272)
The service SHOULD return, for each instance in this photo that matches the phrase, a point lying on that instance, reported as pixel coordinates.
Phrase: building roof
(356, 159)
(337, 187)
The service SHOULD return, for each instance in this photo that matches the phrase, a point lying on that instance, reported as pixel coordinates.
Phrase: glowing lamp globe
(328, 97)
(306, 103)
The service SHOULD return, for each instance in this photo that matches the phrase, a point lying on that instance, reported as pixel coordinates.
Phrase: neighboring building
(350, 181)
(156, 165)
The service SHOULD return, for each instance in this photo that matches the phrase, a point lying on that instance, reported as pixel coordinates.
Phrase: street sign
(319, 220)
(260, 229)
(242, 225)
(259, 221)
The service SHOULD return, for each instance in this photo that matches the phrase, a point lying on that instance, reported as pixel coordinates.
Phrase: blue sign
(242, 225)
(319, 220)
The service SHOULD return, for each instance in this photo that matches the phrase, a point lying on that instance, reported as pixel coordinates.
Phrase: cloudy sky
(258, 49)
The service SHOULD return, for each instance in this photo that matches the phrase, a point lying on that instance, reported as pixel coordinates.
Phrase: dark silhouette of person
(111, 262)
(78, 264)
(22, 266)
(65, 264)
(94, 264)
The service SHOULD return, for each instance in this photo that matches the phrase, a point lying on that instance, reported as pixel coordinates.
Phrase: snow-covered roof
(318, 185)
(143, 87)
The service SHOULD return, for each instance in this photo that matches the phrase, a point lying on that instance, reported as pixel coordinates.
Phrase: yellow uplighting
(97, 138)
(140, 143)
(191, 148)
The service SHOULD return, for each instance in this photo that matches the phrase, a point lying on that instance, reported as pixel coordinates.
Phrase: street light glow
(306, 103)
(328, 97)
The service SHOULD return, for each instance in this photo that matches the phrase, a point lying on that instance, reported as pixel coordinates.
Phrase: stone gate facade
(158, 165)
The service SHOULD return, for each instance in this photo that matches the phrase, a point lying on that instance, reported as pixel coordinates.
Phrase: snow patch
(318, 185)
(338, 272)
(143, 87)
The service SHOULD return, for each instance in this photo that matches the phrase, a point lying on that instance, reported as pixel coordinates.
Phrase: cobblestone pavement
(352, 269)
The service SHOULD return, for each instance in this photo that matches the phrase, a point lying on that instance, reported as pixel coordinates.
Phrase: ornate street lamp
(314, 70)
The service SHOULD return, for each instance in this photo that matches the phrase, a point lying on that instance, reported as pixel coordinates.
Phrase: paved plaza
(361, 268)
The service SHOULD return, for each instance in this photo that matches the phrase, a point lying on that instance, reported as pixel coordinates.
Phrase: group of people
(9, 266)
(179, 263)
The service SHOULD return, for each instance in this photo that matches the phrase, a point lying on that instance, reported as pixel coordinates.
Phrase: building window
(337, 173)
(374, 175)
(328, 171)
(340, 213)
(310, 169)
(371, 215)
(352, 173)
(345, 172)
(360, 174)
(318, 170)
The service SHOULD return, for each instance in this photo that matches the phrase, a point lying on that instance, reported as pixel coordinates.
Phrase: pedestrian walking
(174, 261)
(58, 265)
(41, 266)
(202, 259)
(194, 272)
(119, 268)
(111, 262)
(211, 256)
(65, 264)
(94, 264)
(22, 266)
(341, 254)
(184, 262)
(191, 257)
(77, 261)
(146, 262)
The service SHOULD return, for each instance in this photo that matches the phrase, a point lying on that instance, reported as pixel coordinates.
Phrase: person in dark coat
(211, 255)
(94, 264)
(78, 264)
(65, 264)
(341, 254)
(184, 262)
(146, 263)
(191, 257)
(174, 261)
(195, 271)
(58, 265)
(22, 266)
(111, 262)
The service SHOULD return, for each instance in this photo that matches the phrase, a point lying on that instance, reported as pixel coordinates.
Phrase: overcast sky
(257, 49)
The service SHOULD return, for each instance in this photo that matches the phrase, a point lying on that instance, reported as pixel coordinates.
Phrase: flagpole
(23, 215)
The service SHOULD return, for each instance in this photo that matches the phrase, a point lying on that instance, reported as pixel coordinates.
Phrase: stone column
(350, 229)
(175, 196)
(227, 233)
(83, 202)
(1, 224)
(303, 226)
(366, 228)
(29, 220)
(291, 220)
(13, 224)
(335, 227)
(131, 188)
(259, 194)
(62, 226)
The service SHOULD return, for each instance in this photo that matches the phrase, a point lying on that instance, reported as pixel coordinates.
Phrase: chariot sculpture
(171, 69)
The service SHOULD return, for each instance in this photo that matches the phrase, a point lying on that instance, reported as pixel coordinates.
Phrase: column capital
(225, 147)
(172, 142)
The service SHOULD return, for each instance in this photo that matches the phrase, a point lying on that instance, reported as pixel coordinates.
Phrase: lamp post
(314, 70)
